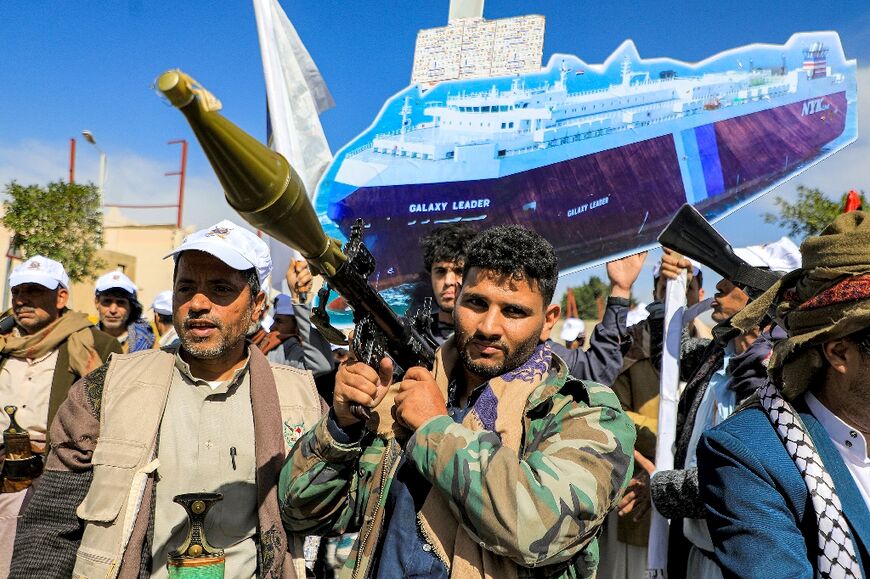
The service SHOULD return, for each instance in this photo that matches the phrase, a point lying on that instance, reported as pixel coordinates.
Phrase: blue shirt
(403, 552)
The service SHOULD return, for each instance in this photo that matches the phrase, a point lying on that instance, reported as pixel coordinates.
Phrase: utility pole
(72, 161)
(181, 174)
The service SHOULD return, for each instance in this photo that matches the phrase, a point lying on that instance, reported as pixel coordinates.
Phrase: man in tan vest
(213, 417)
(44, 350)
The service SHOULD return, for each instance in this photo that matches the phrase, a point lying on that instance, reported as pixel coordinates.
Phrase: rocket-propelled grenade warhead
(258, 183)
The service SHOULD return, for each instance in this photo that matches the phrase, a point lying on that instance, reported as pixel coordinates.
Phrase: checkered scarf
(836, 556)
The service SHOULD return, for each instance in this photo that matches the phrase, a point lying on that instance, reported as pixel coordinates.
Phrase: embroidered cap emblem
(34, 265)
(221, 232)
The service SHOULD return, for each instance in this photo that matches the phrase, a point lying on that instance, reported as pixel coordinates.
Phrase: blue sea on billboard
(597, 158)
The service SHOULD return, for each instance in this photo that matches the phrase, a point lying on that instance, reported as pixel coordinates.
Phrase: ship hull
(604, 203)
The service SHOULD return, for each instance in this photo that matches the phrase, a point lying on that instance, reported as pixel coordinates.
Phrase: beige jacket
(120, 407)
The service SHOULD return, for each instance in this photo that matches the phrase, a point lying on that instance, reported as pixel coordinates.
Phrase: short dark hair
(253, 282)
(136, 308)
(515, 251)
(164, 318)
(447, 243)
(250, 276)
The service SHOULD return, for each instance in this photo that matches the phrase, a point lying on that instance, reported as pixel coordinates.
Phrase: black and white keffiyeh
(836, 558)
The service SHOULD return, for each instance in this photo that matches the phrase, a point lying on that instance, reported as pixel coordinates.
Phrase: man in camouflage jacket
(495, 463)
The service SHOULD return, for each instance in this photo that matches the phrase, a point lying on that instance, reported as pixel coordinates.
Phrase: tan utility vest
(134, 397)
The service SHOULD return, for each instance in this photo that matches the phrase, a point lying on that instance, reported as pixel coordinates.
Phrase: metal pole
(104, 170)
(104, 163)
(181, 173)
(72, 161)
(7, 301)
(6, 288)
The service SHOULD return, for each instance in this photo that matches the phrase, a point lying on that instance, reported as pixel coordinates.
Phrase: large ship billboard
(597, 158)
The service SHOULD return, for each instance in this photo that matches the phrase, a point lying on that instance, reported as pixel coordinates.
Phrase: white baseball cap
(232, 244)
(116, 279)
(163, 303)
(782, 255)
(283, 305)
(572, 328)
(39, 269)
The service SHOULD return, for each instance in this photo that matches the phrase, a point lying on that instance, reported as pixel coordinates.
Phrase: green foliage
(585, 296)
(811, 212)
(62, 221)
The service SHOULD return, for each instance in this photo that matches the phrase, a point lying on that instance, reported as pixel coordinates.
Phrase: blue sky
(67, 66)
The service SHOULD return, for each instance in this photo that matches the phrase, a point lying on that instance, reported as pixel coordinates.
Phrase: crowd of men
(516, 455)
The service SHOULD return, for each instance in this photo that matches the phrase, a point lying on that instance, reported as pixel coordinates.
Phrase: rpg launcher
(691, 235)
(265, 190)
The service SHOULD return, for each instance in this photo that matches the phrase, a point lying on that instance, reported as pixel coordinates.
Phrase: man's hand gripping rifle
(265, 190)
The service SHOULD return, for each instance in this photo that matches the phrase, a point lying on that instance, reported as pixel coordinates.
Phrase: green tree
(63, 221)
(586, 296)
(810, 213)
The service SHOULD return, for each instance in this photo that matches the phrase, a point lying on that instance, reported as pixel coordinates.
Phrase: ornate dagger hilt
(22, 465)
(196, 552)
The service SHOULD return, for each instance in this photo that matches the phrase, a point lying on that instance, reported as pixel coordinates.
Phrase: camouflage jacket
(576, 457)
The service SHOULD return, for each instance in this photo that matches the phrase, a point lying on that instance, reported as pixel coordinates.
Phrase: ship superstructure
(480, 128)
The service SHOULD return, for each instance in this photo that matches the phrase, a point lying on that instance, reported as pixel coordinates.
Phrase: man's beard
(113, 324)
(512, 359)
(858, 386)
(229, 337)
(34, 323)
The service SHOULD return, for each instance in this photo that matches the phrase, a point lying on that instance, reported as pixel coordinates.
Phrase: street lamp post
(89, 137)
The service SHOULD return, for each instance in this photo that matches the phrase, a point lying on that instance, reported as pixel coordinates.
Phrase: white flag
(675, 306)
(296, 95)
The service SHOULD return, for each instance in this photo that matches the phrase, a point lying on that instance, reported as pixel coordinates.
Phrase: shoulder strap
(61, 381)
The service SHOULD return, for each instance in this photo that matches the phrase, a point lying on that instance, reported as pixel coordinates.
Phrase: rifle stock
(691, 235)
